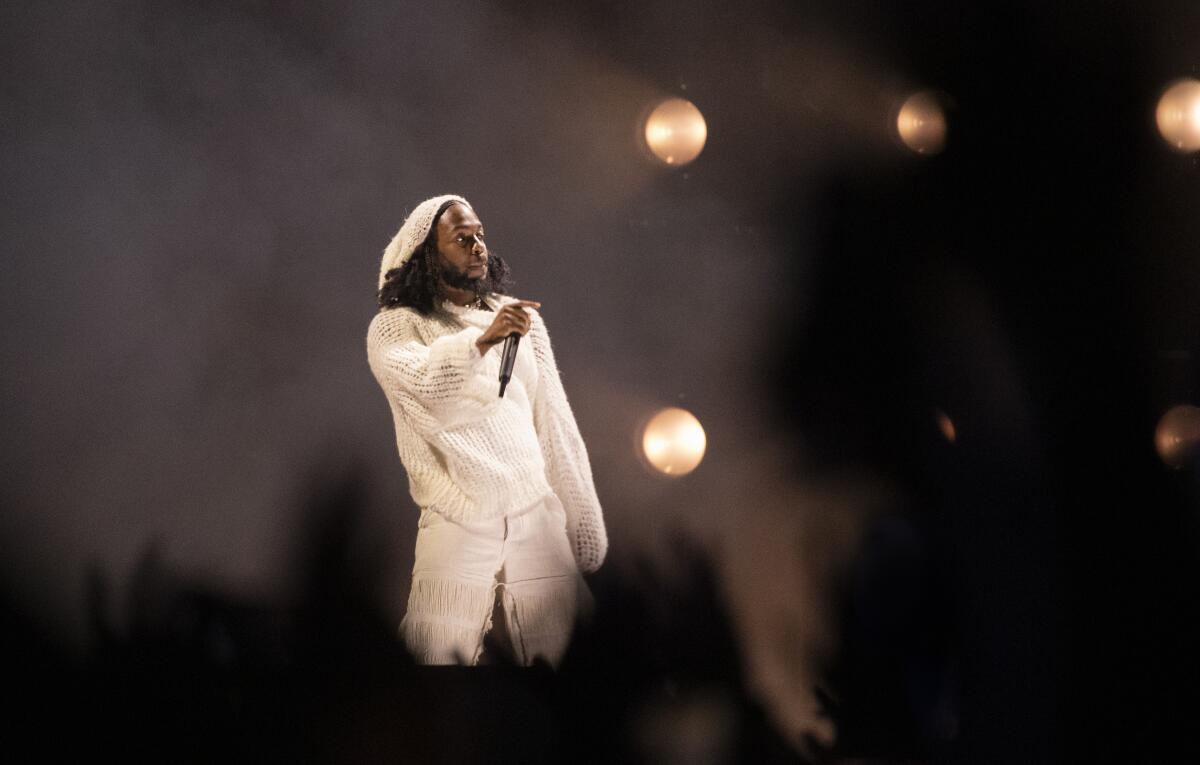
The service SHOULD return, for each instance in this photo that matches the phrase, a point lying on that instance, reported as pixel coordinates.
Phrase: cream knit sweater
(470, 454)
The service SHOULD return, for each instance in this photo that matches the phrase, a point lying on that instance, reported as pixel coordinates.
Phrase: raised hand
(512, 318)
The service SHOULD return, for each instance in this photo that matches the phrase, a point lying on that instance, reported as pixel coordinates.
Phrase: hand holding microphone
(511, 323)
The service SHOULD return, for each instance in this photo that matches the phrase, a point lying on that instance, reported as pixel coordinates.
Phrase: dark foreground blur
(657, 676)
(200, 676)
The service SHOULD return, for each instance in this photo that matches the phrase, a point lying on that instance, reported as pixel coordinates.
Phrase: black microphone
(508, 357)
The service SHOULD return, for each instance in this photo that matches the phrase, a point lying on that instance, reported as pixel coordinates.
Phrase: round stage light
(1177, 437)
(674, 442)
(676, 131)
(945, 425)
(1178, 115)
(921, 123)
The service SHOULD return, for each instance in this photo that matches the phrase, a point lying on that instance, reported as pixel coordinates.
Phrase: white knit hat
(412, 233)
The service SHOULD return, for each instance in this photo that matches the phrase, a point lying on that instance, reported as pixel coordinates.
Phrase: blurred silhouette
(200, 676)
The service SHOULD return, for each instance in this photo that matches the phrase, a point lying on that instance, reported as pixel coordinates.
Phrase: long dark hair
(415, 284)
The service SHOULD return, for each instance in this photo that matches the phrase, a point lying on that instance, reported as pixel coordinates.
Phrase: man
(509, 513)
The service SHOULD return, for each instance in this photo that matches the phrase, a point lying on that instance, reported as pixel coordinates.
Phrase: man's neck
(459, 297)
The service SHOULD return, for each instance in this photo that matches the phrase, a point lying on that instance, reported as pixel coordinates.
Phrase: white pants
(461, 568)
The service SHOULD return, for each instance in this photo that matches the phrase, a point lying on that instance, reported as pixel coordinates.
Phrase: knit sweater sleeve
(438, 385)
(567, 467)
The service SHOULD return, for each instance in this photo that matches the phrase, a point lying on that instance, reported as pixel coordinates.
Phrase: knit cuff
(474, 364)
(478, 385)
(473, 353)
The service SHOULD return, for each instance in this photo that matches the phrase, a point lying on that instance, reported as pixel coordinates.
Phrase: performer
(509, 513)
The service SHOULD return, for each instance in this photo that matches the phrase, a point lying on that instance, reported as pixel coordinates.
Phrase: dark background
(195, 198)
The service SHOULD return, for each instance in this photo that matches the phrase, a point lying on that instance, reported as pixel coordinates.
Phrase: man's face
(462, 254)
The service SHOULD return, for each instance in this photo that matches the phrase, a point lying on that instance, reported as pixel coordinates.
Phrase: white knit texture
(414, 230)
(567, 464)
(470, 454)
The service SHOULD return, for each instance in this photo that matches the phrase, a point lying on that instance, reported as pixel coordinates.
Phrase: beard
(459, 280)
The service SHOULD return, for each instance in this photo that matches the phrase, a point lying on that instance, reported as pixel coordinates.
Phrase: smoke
(195, 201)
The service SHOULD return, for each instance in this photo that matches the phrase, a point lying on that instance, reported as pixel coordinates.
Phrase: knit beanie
(412, 233)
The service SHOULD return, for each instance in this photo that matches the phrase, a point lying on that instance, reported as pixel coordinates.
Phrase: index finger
(526, 304)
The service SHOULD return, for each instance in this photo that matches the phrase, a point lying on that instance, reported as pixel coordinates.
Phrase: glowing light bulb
(676, 131)
(674, 442)
(921, 123)
(946, 425)
(1178, 115)
(1177, 437)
